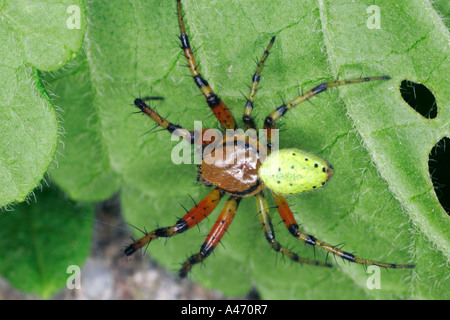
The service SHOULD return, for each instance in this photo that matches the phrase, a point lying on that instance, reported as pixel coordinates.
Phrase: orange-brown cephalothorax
(233, 165)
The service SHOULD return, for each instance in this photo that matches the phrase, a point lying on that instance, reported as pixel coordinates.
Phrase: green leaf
(33, 35)
(380, 202)
(83, 156)
(403, 161)
(42, 239)
(443, 7)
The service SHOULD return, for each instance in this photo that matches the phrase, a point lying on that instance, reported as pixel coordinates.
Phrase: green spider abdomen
(291, 171)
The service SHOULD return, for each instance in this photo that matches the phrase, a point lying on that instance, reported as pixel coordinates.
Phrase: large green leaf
(42, 239)
(84, 168)
(443, 7)
(380, 202)
(33, 35)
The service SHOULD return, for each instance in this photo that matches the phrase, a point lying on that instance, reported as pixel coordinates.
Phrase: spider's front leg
(214, 236)
(289, 220)
(249, 121)
(174, 129)
(266, 222)
(190, 219)
(220, 110)
(269, 122)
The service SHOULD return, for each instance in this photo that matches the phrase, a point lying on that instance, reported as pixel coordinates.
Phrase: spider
(284, 172)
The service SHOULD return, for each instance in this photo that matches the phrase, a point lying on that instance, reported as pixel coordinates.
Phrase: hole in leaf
(419, 98)
(438, 165)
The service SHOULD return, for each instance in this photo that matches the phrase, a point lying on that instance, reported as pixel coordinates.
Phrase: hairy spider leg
(172, 128)
(249, 122)
(266, 221)
(152, 98)
(289, 221)
(220, 110)
(269, 122)
(215, 235)
(190, 219)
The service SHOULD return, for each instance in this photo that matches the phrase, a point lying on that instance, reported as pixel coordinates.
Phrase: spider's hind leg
(266, 222)
(289, 220)
(214, 236)
(190, 219)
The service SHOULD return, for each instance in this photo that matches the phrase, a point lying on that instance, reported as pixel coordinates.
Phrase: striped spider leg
(269, 122)
(247, 117)
(289, 221)
(220, 110)
(193, 217)
(281, 202)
